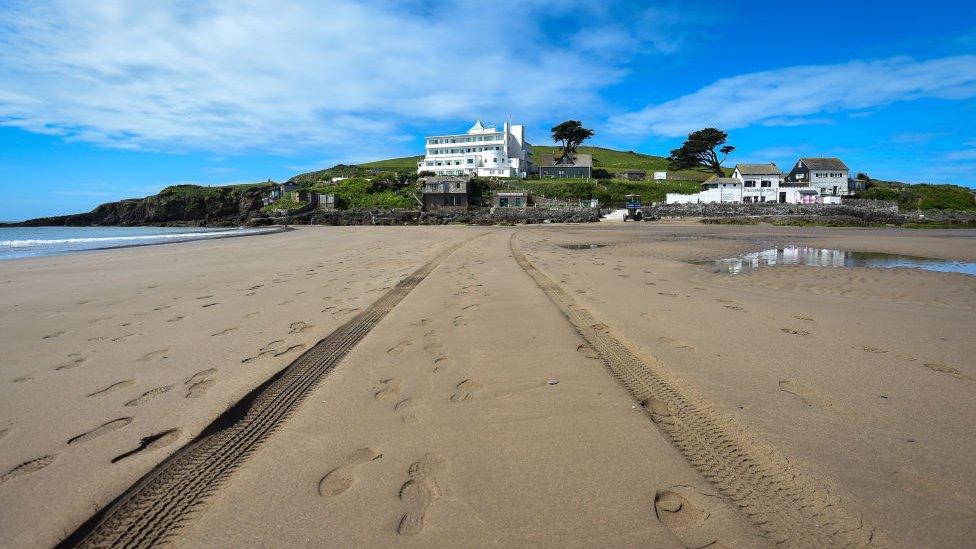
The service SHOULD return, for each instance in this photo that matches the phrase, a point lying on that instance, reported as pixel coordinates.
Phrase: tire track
(156, 508)
(786, 505)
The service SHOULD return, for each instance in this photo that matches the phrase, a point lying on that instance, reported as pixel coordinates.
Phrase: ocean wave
(32, 242)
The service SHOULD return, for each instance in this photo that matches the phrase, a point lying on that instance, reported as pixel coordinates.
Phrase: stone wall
(480, 216)
(738, 209)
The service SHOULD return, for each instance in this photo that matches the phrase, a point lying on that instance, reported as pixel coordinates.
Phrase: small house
(279, 190)
(325, 201)
(632, 175)
(760, 182)
(447, 192)
(830, 176)
(515, 199)
(578, 166)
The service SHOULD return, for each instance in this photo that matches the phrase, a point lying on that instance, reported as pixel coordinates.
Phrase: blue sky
(114, 99)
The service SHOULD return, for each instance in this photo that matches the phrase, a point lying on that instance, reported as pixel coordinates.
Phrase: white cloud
(277, 76)
(793, 95)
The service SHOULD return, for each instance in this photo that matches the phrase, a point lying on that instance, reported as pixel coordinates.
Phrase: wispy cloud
(803, 95)
(281, 76)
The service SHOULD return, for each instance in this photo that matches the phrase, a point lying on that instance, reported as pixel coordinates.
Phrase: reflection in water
(581, 246)
(821, 257)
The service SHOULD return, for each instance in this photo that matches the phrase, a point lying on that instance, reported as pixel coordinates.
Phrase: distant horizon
(92, 112)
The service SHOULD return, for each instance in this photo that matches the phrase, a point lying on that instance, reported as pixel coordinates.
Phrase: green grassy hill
(603, 158)
(921, 196)
(610, 191)
(402, 163)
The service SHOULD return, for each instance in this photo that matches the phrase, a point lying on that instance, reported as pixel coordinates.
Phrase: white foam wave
(29, 243)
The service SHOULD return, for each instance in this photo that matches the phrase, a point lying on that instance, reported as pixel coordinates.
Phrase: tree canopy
(699, 150)
(570, 134)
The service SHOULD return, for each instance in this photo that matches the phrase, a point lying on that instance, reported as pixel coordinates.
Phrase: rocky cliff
(179, 205)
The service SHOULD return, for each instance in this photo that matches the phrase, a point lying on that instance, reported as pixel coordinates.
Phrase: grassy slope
(403, 163)
(921, 196)
(607, 159)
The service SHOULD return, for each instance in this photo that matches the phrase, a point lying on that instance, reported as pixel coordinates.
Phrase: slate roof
(579, 161)
(758, 169)
(824, 163)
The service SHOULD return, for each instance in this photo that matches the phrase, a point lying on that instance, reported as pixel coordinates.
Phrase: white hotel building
(485, 152)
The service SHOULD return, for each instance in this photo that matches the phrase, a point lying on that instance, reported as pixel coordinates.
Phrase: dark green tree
(570, 134)
(699, 150)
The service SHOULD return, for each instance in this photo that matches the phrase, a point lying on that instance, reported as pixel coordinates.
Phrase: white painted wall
(485, 152)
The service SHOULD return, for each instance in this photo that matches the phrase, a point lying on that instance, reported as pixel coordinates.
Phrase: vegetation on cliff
(920, 196)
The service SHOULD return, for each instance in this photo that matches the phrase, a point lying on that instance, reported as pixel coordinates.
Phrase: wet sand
(441, 428)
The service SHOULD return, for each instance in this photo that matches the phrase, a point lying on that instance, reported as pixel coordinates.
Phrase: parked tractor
(634, 208)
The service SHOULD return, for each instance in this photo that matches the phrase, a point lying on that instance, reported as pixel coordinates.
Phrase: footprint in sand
(74, 363)
(151, 442)
(587, 351)
(399, 347)
(102, 429)
(735, 308)
(675, 343)
(175, 319)
(53, 335)
(154, 355)
(273, 349)
(686, 513)
(405, 409)
(299, 327)
(418, 493)
(943, 369)
(466, 390)
(199, 383)
(149, 395)
(27, 467)
(115, 386)
(343, 477)
(869, 349)
(389, 389)
(808, 395)
(224, 331)
(794, 331)
(806, 318)
(460, 321)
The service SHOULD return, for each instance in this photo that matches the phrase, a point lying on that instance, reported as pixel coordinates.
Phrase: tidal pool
(581, 246)
(823, 257)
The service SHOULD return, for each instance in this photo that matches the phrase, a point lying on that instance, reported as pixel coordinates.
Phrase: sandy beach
(549, 385)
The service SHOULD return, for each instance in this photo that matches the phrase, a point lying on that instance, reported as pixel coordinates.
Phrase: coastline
(255, 231)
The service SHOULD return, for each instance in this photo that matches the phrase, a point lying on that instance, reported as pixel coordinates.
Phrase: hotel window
(750, 183)
(766, 183)
(471, 161)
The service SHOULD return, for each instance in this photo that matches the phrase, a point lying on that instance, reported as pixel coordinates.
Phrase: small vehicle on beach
(633, 208)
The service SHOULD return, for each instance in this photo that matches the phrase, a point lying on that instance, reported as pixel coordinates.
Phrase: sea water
(18, 242)
(823, 257)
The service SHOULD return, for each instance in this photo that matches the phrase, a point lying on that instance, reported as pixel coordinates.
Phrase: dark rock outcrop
(180, 205)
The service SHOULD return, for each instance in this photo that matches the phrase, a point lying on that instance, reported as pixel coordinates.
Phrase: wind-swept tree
(699, 150)
(570, 134)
